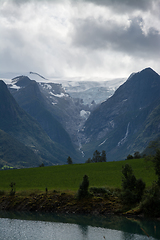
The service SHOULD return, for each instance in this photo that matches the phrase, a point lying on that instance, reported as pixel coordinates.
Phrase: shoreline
(68, 204)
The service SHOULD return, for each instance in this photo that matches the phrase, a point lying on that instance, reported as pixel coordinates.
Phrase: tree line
(97, 157)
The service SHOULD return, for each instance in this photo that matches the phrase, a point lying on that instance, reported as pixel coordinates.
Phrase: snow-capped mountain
(89, 90)
(128, 120)
(60, 106)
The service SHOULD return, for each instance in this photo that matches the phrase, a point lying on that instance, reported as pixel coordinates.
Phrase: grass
(69, 177)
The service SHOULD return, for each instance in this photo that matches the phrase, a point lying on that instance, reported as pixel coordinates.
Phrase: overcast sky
(79, 38)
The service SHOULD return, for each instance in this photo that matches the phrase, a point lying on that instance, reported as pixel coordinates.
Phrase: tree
(156, 161)
(129, 157)
(41, 165)
(132, 189)
(69, 160)
(13, 189)
(83, 189)
(103, 156)
(96, 156)
(89, 160)
(137, 155)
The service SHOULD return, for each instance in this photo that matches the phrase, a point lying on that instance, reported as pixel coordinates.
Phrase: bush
(2, 192)
(13, 190)
(96, 190)
(88, 160)
(137, 155)
(132, 189)
(151, 201)
(83, 189)
(129, 157)
(156, 161)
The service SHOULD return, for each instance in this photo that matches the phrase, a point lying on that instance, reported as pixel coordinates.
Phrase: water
(31, 226)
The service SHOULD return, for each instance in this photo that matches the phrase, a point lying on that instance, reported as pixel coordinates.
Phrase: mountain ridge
(122, 116)
(20, 125)
(122, 124)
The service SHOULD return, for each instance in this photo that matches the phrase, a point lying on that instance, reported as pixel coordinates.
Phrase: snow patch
(84, 114)
(102, 142)
(59, 95)
(51, 93)
(47, 86)
(15, 87)
(125, 137)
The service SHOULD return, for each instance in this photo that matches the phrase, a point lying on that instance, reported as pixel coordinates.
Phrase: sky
(79, 38)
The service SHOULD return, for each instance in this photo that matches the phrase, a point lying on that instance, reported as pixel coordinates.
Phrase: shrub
(83, 189)
(41, 165)
(98, 190)
(13, 190)
(156, 161)
(88, 160)
(2, 192)
(132, 189)
(129, 157)
(140, 186)
(137, 155)
(150, 204)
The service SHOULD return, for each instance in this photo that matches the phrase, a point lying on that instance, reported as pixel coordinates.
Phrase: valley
(119, 116)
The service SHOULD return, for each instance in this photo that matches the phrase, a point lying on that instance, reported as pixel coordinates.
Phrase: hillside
(14, 154)
(17, 123)
(29, 97)
(69, 177)
(119, 125)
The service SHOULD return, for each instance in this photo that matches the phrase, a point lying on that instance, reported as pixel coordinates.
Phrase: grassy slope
(69, 177)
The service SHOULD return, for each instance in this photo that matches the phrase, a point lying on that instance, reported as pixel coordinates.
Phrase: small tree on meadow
(69, 160)
(96, 156)
(103, 156)
(89, 160)
(137, 155)
(129, 157)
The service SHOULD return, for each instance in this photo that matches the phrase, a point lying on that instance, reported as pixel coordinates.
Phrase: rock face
(118, 123)
(21, 126)
(30, 97)
(60, 115)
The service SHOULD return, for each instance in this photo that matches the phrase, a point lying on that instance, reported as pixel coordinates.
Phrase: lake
(22, 226)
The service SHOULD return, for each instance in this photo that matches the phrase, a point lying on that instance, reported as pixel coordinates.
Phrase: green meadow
(68, 177)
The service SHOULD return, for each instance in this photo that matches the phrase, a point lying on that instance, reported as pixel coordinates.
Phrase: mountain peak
(148, 71)
(21, 81)
(116, 124)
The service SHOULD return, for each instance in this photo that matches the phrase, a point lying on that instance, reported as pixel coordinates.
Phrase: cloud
(124, 5)
(79, 37)
(103, 35)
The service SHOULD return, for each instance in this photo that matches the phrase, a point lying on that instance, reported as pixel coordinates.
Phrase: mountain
(69, 101)
(60, 115)
(21, 126)
(87, 115)
(14, 154)
(28, 95)
(125, 122)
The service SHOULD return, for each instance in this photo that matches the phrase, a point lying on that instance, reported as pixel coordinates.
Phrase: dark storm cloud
(124, 5)
(93, 34)
(86, 37)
